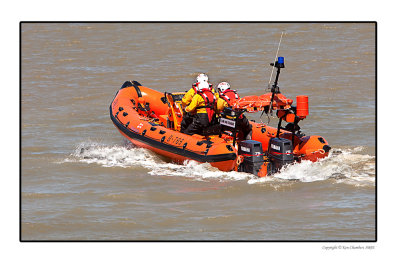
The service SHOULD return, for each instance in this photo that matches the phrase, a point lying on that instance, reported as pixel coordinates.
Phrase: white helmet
(202, 85)
(223, 86)
(202, 77)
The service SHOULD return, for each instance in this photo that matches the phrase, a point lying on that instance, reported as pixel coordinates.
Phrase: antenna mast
(276, 56)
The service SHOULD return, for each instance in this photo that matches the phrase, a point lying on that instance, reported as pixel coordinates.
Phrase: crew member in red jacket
(226, 98)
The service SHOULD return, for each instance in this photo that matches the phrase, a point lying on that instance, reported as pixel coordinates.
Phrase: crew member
(203, 105)
(226, 98)
(187, 99)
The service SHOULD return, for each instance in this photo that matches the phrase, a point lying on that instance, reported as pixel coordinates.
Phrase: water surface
(81, 180)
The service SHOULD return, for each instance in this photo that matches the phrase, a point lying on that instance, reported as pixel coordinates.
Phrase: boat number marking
(175, 140)
(226, 122)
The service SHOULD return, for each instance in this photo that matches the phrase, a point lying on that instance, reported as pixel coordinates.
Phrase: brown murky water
(81, 181)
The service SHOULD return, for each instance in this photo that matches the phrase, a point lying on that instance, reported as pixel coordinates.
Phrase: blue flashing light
(281, 60)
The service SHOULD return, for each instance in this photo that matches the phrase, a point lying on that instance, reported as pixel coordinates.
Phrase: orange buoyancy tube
(304, 147)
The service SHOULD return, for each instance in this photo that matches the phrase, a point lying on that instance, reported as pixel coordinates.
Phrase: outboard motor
(280, 152)
(253, 161)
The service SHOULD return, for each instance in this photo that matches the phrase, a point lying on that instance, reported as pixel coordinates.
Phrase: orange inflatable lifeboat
(151, 119)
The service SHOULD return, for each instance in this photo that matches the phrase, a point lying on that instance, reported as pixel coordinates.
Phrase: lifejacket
(195, 87)
(209, 102)
(229, 95)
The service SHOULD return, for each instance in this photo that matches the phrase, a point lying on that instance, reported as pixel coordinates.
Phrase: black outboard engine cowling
(253, 155)
(280, 152)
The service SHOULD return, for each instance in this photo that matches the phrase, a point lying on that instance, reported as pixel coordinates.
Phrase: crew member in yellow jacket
(187, 99)
(203, 105)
